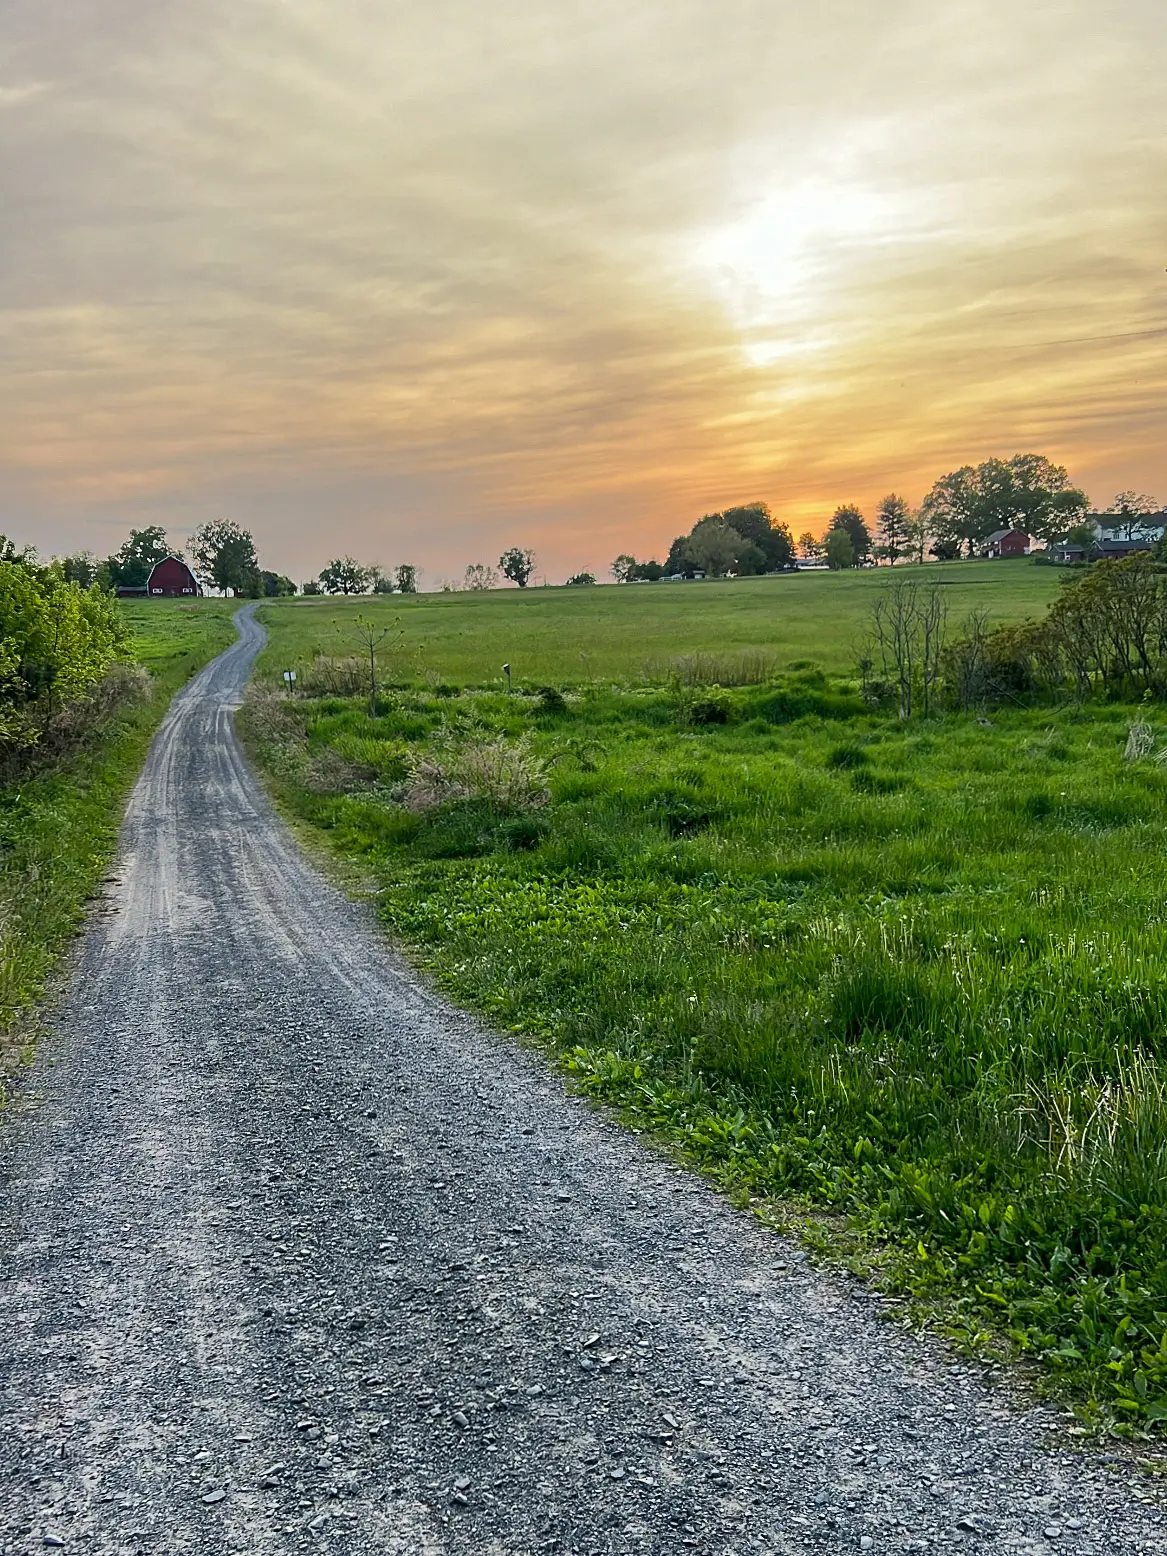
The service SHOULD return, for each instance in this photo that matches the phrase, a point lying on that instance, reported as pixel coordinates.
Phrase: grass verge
(58, 826)
(915, 976)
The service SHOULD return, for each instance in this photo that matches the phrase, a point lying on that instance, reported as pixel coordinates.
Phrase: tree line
(960, 512)
(221, 552)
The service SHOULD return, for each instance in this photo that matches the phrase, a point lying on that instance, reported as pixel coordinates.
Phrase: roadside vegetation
(905, 970)
(83, 684)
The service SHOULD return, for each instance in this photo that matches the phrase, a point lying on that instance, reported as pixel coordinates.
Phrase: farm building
(169, 579)
(1007, 542)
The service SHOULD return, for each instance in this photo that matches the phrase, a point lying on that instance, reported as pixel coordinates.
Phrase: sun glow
(777, 267)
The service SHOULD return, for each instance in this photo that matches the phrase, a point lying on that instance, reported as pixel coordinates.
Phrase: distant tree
(131, 565)
(848, 518)
(953, 511)
(382, 578)
(311, 587)
(517, 565)
(479, 578)
(945, 548)
(1083, 535)
(344, 575)
(1031, 493)
(407, 578)
(679, 559)
(580, 578)
(755, 523)
(717, 549)
(81, 568)
(1026, 492)
(810, 549)
(647, 572)
(839, 549)
(224, 554)
(916, 536)
(892, 517)
(1131, 511)
(624, 567)
(275, 585)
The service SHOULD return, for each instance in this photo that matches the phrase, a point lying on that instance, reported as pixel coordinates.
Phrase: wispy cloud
(423, 278)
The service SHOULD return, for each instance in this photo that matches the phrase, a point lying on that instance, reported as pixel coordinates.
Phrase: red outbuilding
(1007, 542)
(172, 577)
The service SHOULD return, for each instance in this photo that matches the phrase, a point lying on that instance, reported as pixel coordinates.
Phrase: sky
(416, 281)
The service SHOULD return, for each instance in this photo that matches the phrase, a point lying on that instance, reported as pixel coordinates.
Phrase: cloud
(437, 275)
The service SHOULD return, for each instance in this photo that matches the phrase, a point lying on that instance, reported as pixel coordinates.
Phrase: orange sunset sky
(418, 279)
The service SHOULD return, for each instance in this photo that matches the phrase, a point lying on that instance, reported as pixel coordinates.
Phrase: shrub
(332, 676)
(549, 701)
(505, 773)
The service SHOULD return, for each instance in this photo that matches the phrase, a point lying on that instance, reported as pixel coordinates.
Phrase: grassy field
(59, 825)
(572, 636)
(913, 975)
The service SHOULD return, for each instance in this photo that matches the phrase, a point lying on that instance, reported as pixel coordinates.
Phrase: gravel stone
(226, 1261)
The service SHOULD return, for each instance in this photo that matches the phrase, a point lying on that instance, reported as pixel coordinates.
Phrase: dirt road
(294, 1257)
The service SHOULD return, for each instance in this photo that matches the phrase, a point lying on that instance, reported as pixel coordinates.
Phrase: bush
(550, 702)
(330, 676)
(58, 642)
(505, 773)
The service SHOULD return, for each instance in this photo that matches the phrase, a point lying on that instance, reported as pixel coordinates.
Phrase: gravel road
(296, 1257)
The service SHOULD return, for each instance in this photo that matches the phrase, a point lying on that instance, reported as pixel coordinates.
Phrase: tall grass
(915, 974)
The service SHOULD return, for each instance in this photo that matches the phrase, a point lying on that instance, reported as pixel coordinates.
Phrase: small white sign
(289, 675)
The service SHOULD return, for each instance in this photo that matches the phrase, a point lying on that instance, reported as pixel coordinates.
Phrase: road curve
(295, 1257)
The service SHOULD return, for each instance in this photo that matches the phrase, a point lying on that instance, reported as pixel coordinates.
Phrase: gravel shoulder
(294, 1256)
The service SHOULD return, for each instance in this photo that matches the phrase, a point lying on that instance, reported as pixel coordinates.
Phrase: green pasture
(59, 822)
(911, 974)
(627, 632)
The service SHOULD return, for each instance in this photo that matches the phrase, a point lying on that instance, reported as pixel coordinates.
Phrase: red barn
(172, 577)
(1007, 542)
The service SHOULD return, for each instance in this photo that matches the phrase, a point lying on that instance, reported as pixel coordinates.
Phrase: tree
(647, 572)
(1026, 492)
(225, 554)
(847, 517)
(1131, 511)
(311, 587)
(382, 579)
(754, 523)
(892, 517)
(407, 578)
(517, 565)
(908, 631)
(580, 578)
(678, 560)
(275, 585)
(371, 636)
(810, 548)
(916, 536)
(1031, 493)
(624, 567)
(716, 549)
(81, 568)
(132, 564)
(839, 549)
(945, 548)
(953, 511)
(479, 578)
(344, 575)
